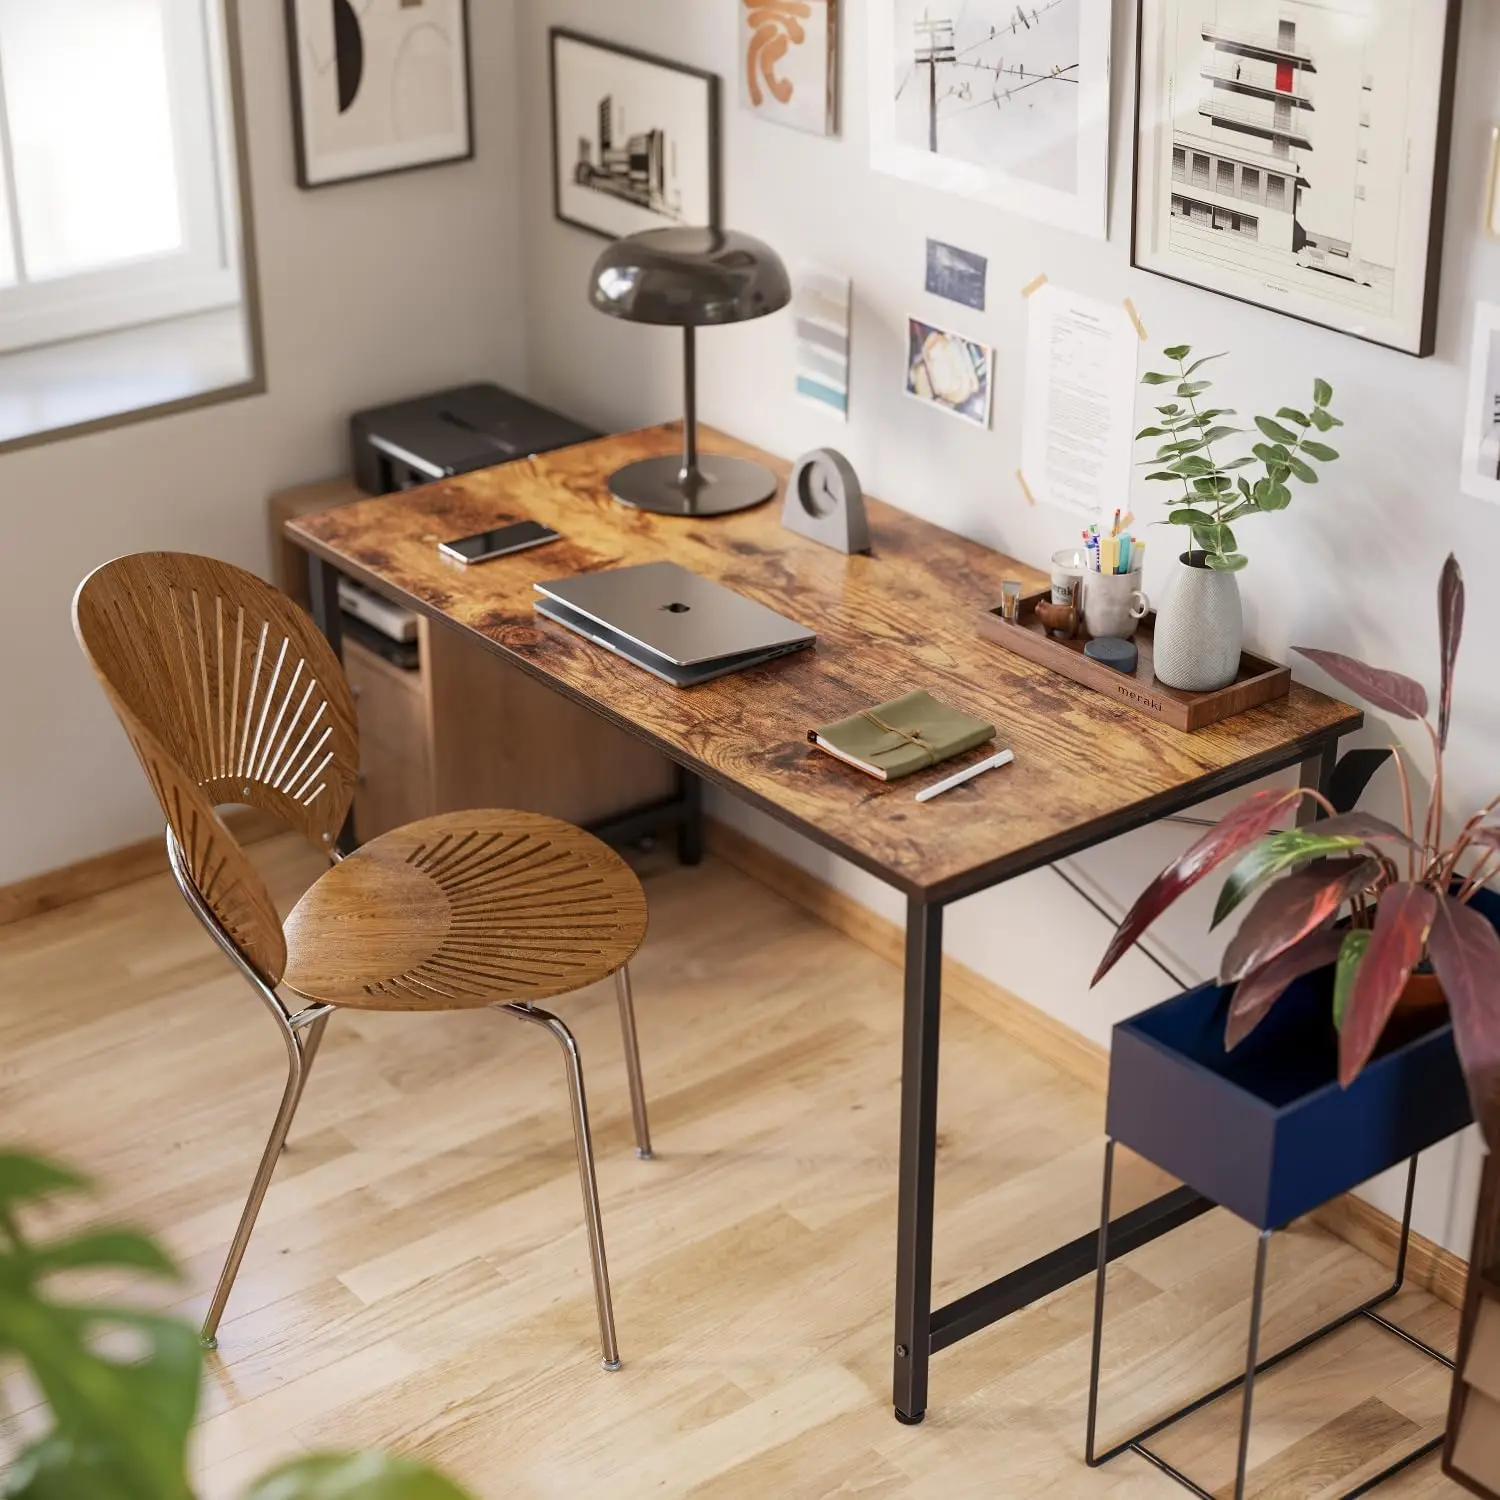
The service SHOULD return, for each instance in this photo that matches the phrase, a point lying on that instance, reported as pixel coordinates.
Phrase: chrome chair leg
(592, 1218)
(300, 1048)
(633, 1063)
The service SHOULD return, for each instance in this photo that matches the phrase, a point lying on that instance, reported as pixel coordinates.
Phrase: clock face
(825, 483)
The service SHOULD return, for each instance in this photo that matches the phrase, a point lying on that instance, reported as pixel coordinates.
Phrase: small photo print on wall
(1289, 152)
(958, 275)
(1481, 462)
(1001, 102)
(950, 372)
(788, 55)
(635, 139)
(377, 86)
(820, 308)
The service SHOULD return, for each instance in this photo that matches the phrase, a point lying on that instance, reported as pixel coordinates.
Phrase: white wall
(1352, 566)
(371, 291)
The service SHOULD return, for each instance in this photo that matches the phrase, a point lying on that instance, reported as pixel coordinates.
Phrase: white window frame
(202, 273)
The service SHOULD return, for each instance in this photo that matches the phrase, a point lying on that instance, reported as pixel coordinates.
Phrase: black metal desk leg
(323, 597)
(690, 830)
(919, 1104)
(1317, 773)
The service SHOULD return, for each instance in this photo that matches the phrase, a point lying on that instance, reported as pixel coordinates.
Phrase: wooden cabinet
(465, 729)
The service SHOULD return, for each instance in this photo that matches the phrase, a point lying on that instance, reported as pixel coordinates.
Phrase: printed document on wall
(1080, 402)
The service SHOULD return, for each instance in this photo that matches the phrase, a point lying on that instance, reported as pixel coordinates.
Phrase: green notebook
(905, 735)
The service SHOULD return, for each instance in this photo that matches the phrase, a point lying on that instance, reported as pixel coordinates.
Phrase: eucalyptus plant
(121, 1416)
(1215, 496)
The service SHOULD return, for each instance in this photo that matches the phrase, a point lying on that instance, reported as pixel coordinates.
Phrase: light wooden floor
(419, 1278)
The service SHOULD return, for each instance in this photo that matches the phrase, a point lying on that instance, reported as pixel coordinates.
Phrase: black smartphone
(519, 536)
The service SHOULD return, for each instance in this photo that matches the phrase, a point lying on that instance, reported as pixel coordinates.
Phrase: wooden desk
(1086, 769)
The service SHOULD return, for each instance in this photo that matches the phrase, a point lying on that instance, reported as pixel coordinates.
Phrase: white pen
(1003, 759)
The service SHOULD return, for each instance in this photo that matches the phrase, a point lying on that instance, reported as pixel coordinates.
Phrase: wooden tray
(1259, 681)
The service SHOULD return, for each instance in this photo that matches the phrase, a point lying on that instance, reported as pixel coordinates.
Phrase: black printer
(450, 432)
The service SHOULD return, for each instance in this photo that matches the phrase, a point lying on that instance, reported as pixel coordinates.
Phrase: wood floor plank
(419, 1279)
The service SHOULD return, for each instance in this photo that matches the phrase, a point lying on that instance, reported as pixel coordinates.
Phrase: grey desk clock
(823, 502)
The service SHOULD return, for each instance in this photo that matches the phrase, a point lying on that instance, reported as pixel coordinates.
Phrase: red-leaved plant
(1407, 892)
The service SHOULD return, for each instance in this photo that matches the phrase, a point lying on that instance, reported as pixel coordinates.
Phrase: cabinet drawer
(391, 704)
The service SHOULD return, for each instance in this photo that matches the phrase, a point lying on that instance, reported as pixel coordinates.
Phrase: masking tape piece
(1034, 285)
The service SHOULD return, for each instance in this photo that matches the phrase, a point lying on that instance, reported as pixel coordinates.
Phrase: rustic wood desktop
(1086, 769)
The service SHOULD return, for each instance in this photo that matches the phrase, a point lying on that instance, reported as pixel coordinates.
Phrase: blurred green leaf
(1274, 429)
(1322, 392)
(1152, 377)
(1277, 497)
(1178, 351)
(1351, 953)
(1171, 409)
(1228, 563)
(1320, 451)
(1164, 474)
(1324, 421)
(1192, 465)
(1186, 516)
(1198, 364)
(1146, 432)
(28, 1178)
(354, 1476)
(1238, 463)
(1214, 434)
(122, 1248)
(1305, 472)
(1214, 538)
(1190, 388)
(1293, 415)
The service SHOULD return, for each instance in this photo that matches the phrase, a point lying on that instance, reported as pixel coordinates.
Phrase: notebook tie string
(912, 738)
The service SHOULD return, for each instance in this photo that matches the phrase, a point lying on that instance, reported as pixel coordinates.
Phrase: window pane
(91, 131)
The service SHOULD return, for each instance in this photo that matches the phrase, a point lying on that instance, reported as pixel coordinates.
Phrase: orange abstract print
(776, 26)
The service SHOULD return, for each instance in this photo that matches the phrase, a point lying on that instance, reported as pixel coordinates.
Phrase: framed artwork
(1481, 463)
(788, 54)
(950, 372)
(995, 101)
(1293, 154)
(1492, 188)
(378, 86)
(635, 139)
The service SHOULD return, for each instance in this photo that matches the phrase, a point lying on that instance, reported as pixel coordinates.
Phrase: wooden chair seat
(464, 910)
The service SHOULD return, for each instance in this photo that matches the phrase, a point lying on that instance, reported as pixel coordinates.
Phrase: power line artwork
(992, 71)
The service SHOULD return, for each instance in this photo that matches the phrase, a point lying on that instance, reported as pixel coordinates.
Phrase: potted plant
(1200, 627)
(1408, 893)
(120, 1425)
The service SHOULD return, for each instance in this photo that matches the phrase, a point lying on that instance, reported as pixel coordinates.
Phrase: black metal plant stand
(1254, 1366)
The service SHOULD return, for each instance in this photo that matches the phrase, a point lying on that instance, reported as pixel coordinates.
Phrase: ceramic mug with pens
(1113, 604)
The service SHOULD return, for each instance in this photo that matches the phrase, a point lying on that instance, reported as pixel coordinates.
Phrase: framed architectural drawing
(379, 87)
(635, 139)
(1481, 463)
(788, 54)
(1293, 154)
(1004, 103)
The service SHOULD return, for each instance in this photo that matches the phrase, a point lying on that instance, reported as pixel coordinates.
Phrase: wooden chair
(229, 694)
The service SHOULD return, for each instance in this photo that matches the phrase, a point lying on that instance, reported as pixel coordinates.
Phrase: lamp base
(720, 486)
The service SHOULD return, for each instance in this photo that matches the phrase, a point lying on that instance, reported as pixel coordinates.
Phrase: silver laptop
(684, 628)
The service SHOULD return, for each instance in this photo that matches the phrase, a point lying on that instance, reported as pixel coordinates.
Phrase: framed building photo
(1293, 154)
(635, 139)
(378, 87)
(1002, 103)
(788, 55)
(1481, 462)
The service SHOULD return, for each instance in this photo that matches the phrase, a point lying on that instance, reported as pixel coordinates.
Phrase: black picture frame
(1426, 341)
(713, 123)
(299, 130)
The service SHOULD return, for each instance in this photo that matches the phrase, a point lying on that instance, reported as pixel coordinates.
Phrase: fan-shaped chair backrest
(229, 694)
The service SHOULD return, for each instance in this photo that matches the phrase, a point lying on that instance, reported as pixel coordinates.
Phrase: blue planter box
(1265, 1130)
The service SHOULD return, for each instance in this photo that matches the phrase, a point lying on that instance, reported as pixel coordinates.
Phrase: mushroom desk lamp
(690, 279)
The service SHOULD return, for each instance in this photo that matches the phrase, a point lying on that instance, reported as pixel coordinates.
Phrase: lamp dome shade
(689, 278)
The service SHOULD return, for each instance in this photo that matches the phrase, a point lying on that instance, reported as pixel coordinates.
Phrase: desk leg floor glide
(1254, 1365)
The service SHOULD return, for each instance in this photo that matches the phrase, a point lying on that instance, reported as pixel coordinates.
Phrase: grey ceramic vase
(1200, 629)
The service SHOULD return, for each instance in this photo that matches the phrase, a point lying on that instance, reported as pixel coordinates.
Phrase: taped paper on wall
(1080, 401)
